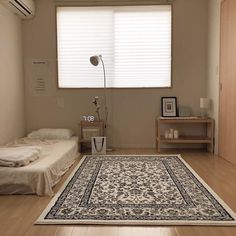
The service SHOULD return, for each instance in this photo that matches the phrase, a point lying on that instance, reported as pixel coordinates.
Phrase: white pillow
(51, 133)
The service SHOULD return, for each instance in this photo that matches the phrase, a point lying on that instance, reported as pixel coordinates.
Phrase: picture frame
(169, 106)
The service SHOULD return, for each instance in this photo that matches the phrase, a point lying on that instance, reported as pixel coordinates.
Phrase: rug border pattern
(215, 197)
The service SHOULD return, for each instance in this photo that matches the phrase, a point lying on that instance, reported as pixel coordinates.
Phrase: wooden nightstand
(87, 130)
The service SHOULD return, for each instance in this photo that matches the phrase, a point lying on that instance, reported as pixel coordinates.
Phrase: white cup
(176, 134)
(171, 135)
(166, 134)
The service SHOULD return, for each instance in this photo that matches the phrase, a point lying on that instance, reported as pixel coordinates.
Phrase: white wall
(213, 62)
(132, 111)
(12, 122)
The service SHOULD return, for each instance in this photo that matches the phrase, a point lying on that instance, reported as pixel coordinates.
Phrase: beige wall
(213, 62)
(11, 77)
(132, 111)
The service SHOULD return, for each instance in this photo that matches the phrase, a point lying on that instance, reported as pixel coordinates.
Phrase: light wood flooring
(18, 213)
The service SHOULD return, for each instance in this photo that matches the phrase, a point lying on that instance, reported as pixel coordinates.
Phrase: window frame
(115, 5)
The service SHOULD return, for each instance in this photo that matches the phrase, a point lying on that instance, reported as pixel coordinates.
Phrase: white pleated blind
(135, 43)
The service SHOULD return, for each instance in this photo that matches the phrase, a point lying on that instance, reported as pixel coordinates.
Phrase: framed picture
(168, 106)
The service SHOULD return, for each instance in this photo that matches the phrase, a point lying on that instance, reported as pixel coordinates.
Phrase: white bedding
(41, 175)
(19, 156)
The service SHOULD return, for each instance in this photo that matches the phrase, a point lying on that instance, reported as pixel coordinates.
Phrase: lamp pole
(94, 60)
(105, 92)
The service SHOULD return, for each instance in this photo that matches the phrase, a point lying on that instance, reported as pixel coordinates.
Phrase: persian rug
(136, 190)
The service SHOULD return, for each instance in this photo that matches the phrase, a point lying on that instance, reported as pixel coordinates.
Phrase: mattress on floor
(41, 175)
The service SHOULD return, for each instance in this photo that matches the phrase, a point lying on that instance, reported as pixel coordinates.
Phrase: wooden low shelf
(184, 120)
(187, 139)
(207, 123)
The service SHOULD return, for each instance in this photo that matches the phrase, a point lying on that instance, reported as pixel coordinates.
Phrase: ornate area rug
(136, 190)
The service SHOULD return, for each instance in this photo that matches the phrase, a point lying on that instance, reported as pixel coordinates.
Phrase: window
(135, 43)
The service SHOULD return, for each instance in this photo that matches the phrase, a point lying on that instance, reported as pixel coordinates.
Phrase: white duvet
(42, 174)
(19, 156)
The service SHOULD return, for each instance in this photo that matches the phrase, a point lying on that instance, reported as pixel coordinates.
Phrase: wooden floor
(18, 213)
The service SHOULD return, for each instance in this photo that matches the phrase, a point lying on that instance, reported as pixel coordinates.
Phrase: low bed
(41, 175)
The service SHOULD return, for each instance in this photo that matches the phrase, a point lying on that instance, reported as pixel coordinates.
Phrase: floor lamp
(95, 60)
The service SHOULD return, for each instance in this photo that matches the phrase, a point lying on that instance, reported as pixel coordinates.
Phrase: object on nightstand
(98, 145)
